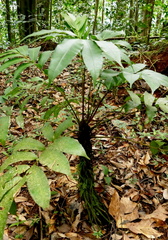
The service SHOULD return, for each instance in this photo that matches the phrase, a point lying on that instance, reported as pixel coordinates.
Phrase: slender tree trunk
(8, 21)
(95, 16)
(147, 19)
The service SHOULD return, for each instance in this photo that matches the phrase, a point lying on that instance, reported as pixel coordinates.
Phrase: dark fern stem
(96, 210)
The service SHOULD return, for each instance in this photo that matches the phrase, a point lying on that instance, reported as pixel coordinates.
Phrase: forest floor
(132, 182)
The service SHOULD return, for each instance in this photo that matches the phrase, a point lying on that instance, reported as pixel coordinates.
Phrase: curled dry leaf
(144, 227)
(160, 213)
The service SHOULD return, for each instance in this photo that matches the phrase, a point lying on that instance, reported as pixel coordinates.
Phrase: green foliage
(13, 176)
(94, 53)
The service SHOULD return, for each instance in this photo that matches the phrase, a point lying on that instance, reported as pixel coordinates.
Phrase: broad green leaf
(17, 157)
(106, 34)
(150, 112)
(62, 127)
(23, 50)
(63, 55)
(48, 132)
(5, 205)
(44, 56)
(10, 55)
(10, 63)
(112, 78)
(20, 121)
(163, 104)
(70, 19)
(33, 53)
(13, 92)
(80, 22)
(122, 43)
(4, 126)
(112, 52)
(52, 31)
(68, 145)
(38, 186)
(135, 98)
(29, 144)
(154, 147)
(9, 185)
(148, 99)
(55, 160)
(135, 68)
(154, 79)
(131, 77)
(93, 59)
(21, 68)
(7, 176)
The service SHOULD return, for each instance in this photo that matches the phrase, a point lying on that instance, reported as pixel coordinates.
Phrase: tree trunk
(26, 14)
(95, 16)
(147, 19)
(8, 21)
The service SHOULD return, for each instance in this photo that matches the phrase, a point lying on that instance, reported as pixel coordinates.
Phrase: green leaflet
(10, 63)
(44, 56)
(62, 56)
(38, 186)
(112, 52)
(29, 144)
(6, 203)
(17, 157)
(68, 145)
(55, 160)
(33, 53)
(93, 59)
(21, 68)
(4, 126)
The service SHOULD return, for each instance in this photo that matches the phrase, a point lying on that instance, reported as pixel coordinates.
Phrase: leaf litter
(132, 186)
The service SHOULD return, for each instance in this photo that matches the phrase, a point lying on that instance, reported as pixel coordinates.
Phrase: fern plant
(92, 52)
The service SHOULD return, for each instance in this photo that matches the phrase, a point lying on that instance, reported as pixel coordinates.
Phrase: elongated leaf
(48, 132)
(33, 53)
(10, 63)
(131, 77)
(68, 145)
(46, 32)
(106, 34)
(135, 68)
(150, 112)
(23, 50)
(93, 59)
(7, 176)
(148, 99)
(163, 104)
(29, 144)
(62, 127)
(55, 160)
(135, 98)
(10, 55)
(21, 68)
(154, 79)
(63, 55)
(9, 185)
(20, 121)
(80, 22)
(44, 56)
(70, 19)
(5, 205)
(112, 52)
(38, 187)
(4, 126)
(17, 157)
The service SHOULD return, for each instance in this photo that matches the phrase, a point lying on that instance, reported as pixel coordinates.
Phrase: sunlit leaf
(4, 126)
(38, 186)
(29, 144)
(93, 59)
(63, 55)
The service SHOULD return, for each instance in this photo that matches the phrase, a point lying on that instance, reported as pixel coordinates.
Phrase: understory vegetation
(83, 133)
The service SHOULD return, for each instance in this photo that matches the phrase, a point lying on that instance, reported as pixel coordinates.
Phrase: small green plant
(98, 234)
(92, 52)
(107, 176)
